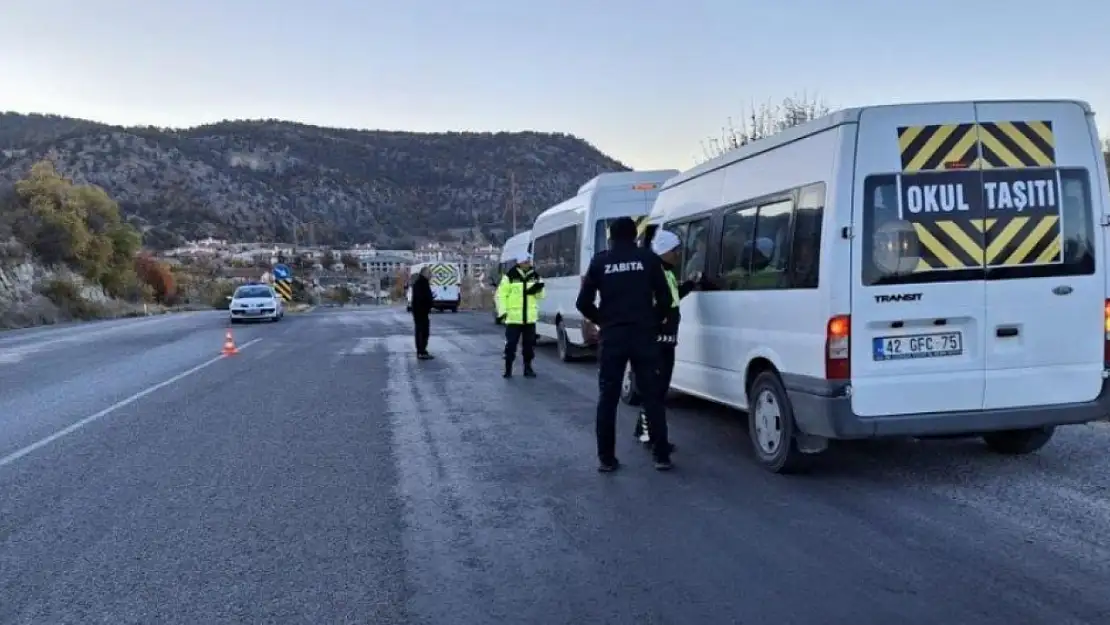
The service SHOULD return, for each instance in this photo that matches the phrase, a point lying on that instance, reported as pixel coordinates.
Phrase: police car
(255, 302)
(934, 269)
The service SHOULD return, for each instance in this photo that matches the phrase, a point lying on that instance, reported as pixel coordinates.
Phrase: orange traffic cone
(229, 345)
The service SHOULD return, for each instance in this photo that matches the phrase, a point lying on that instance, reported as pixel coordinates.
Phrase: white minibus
(924, 270)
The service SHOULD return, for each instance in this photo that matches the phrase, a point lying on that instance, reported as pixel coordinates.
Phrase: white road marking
(70, 429)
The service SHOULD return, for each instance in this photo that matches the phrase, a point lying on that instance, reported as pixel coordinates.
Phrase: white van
(520, 242)
(446, 282)
(565, 238)
(923, 270)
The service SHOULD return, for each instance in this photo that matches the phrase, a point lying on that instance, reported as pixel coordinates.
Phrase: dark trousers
(664, 371)
(422, 329)
(620, 347)
(520, 333)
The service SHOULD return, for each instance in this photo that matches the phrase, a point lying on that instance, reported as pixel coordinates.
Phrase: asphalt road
(324, 475)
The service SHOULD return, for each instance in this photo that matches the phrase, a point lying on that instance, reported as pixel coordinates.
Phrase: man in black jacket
(635, 299)
(422, 300)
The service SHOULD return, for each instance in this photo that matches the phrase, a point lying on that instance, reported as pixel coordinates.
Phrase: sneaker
(425, 356)
(528, 373)
(663, 464)
(642, 434)
(608, 466)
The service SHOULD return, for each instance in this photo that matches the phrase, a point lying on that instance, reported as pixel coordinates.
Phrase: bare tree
(763, 121)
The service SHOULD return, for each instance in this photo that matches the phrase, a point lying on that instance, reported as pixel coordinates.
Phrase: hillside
(257, 180)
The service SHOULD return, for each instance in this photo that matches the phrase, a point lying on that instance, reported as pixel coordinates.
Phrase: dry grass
(477, 296)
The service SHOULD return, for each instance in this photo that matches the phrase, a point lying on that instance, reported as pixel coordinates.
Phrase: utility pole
(513, 200)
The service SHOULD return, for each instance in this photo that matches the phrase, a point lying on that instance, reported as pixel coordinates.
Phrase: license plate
(254, 312)
(935, 345)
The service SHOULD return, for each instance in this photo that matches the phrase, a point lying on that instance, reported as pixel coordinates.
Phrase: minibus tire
(1018, 442)
(565, 349)
(786, 458)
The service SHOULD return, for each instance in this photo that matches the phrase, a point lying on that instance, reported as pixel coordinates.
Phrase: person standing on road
(518, 296)
(666, 244)
(635, 299)
(422, 301)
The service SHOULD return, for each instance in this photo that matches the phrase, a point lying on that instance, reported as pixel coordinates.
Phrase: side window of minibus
(1078, 223)
(679, 230)
(805, 258)
(770, 250)
(695, 248)
(738, 228)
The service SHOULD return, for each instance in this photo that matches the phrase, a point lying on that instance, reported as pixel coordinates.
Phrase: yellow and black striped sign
(444, 274)
(1021, 240)
(938, 147)
(994, 242)
(1016, 144)
(968, 220)
(284, 288)
(985, 145)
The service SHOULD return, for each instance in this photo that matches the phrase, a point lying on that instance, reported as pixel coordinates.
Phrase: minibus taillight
(838, 363)
(1106, 333)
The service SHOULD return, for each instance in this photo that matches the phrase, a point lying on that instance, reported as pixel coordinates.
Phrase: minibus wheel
(1018, 442)
(566, 350)
(771, 426)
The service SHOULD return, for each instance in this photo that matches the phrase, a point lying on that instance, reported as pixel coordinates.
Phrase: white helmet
(664, 241)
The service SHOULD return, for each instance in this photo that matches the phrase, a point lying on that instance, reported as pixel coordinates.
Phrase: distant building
(241, 275)
(383, 263)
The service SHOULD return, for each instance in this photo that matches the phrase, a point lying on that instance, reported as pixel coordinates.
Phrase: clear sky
(644, 80)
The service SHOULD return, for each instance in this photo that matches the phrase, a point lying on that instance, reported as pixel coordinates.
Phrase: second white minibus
(565, 238)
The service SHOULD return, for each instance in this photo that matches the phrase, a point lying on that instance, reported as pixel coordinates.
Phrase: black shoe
(508, 370)
(528, 372)
(608, 466)
(663, 464)
(425, 356)
(651, 446)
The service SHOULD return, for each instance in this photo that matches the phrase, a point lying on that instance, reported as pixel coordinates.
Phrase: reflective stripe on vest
(673, 283)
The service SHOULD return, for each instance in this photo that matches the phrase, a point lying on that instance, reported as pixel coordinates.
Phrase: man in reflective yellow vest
(518, 296)
(667, 246)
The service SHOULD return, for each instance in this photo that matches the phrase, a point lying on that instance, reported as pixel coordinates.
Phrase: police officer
(666, 245)
(518, 295)
(635, 299)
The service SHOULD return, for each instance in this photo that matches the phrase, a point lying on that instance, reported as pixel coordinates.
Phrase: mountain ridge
(267, 178)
